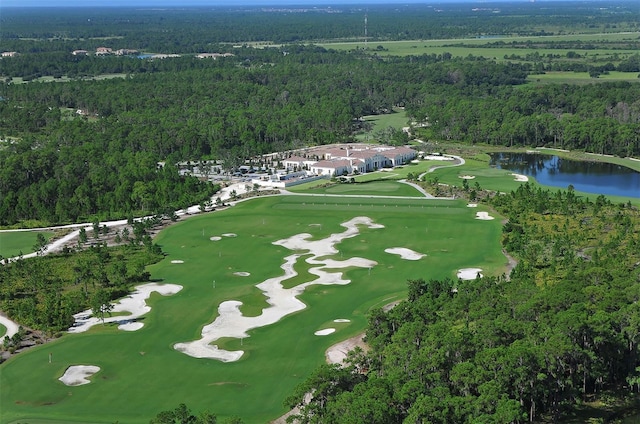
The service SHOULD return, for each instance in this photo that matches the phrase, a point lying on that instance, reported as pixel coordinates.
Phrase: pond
(588, 177)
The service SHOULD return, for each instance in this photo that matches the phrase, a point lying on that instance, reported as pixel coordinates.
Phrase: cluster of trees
(600, 118)
(195, 29)
(105, 164)
(564, 328)
(43, 293)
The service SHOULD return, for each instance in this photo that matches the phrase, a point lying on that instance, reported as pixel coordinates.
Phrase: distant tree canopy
(562, 329)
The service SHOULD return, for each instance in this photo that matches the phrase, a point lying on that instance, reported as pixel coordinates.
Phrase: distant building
(9, 54)
(80, 53)
(213, 55)
(103, 51)
(126, 52)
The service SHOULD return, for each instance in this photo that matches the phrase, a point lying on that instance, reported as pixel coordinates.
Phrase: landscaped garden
(222, 256)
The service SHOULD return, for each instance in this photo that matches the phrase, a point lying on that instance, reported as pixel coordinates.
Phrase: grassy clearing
(12, 243)
(155, 377)
(397, 119)
(487, 47)
(581, 77)
(369, 188)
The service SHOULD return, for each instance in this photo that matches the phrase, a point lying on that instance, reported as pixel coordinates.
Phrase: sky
(178, 3)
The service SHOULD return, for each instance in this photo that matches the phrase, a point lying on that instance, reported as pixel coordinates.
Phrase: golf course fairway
(223, 256)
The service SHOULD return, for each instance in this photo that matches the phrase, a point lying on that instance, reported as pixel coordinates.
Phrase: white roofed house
(332, 167)
(296, 163)
(399, 155)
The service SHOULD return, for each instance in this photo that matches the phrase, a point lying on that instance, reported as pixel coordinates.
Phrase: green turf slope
(141, 374)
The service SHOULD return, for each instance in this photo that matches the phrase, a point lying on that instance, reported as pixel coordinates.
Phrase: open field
(141, 374)
(397, 119)
(12, 243)
(581, 77)
(495, 47)
(372, 188)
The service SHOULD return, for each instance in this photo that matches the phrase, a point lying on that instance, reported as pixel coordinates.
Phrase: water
(588, 177)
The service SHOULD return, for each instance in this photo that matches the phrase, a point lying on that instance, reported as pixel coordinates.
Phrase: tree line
(561, 330)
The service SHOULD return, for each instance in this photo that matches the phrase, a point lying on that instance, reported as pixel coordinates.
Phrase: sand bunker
(242, 274)
(520, 177)
(177, 261)
(467, 177)
(405, 253)
(325, 332)
(484, 216)
(472, 205)
(76, 375)
(12, 327)
(215, 238)
(341, 320)
(135, 304)
(469, 273)
(130, 326)
(230, 321)
(230, 235)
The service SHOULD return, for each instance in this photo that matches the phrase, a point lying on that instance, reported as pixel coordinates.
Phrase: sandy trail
(230, 321)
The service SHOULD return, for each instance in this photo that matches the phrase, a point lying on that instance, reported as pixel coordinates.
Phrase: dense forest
(561, 329)
(193, 29)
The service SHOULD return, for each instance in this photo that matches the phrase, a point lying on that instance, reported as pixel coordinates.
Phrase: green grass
(581, 77)
(141, 374)
(370, 188)
(487, 48)
(397, 119)
(12, 243)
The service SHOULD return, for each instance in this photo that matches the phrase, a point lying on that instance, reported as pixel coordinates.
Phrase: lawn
(488, 47)
(367, 188)
(12, 243)
(580, 77)
(397, 119)
(141, 374)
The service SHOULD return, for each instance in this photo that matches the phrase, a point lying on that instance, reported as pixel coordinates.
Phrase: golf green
(224, 255)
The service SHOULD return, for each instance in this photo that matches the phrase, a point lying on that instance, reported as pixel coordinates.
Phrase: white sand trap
(215, 238)
(405, 253)
(325, 332)
(467, 177)
(520, 177)
(484, 216)
(177, 261)
(230, 235)
(130, 326)
(76, 375)
(135, 304)
(242, 274)
(230, 321)
(469, 273)
(341, 320)
(12, 327)
(472, 205)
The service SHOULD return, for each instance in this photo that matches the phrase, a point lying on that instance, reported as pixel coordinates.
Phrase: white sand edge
(484, 216)
(325, 332)
(405, 253)
(76, 375)
(11, 326)
(230, 321)
(135, 304)
(521, 178)
(469, 273)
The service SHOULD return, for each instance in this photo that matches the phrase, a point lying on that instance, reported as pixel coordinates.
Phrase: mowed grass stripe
(141, 374)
